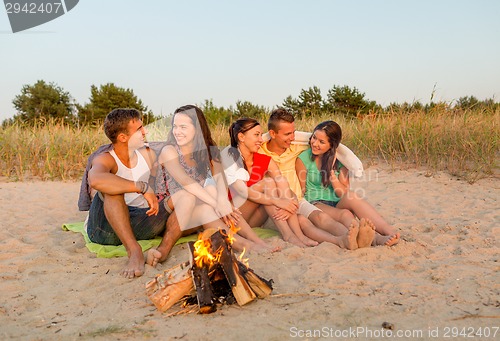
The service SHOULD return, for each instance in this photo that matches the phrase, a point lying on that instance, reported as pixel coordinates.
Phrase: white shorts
(306, 208)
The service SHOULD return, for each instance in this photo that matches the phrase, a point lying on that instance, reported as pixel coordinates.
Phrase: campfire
(213, 276)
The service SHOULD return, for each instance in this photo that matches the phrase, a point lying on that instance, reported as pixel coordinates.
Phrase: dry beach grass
(461, 142)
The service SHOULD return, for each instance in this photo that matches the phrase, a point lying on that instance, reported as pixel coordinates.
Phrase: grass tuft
(460, 142)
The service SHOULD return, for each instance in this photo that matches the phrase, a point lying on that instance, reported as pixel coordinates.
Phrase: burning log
(204, 292)
(259, 285)
(239, 286)
(168, 288)
(214, 272)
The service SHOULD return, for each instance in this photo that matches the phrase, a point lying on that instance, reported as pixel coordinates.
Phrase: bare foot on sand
(294, 240)
(265, 248)
(135, 265)
(390, 240)
(308, 241)
(366, 233)
(154, 256)
(349, 240)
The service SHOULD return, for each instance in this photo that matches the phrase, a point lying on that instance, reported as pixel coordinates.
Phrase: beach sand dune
(443, 274)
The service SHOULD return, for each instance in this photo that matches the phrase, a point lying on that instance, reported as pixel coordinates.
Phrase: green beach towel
(109, 251)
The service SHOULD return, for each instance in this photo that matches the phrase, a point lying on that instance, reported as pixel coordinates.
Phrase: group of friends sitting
(300, 189)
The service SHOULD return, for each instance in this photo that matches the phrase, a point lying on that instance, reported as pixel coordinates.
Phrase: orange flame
(232, 231)
(244, 261)
(203, 254)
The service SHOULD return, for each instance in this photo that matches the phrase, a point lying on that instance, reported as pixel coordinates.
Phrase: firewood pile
(213, 276)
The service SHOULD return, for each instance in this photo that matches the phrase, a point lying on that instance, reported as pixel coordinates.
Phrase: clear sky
(173, 53)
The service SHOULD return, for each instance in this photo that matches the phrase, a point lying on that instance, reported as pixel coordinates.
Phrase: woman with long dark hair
(325, 183)
(256, 185)
(191, 183)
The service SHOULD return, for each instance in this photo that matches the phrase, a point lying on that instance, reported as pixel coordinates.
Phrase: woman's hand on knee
(286, 204)
(281, 214)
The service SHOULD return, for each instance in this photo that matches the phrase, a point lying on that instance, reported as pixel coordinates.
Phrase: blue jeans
(143, 226)
(325, 202)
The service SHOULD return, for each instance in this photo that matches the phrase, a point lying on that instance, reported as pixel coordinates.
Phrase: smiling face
(251, 139)
(319, 143)
(183, 129)
(285, 135)
(136, 134)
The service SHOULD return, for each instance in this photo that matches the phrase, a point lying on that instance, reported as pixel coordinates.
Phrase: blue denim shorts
(325, 202)
(144, 227)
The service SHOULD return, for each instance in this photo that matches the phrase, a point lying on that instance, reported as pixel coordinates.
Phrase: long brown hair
(334, 135)
(205, 149)
(239, 126)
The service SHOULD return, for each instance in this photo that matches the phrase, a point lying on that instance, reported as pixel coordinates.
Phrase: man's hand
(152, 200)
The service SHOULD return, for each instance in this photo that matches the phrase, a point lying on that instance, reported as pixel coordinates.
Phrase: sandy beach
(442, 278)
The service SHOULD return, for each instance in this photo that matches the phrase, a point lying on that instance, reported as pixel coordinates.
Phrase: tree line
(42, 102)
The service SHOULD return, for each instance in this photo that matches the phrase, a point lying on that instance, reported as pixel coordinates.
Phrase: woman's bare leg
(325, 222)
(343, 216)
(289, 229)
(286, 232)
(293, 222)
(256, 214)
(205, 215)
(174, 230)
(183, 203)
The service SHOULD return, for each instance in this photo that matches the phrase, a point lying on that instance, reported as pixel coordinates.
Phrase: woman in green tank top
(325, 182)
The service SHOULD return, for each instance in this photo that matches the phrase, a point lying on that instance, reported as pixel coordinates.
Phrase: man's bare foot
(349, 239)
(390, 240)
(135, 265)
(366, 233)
(154, 256)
